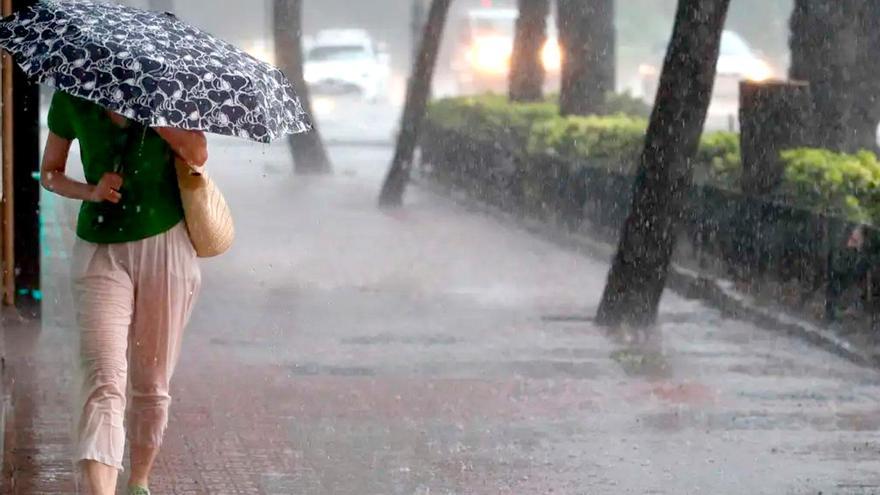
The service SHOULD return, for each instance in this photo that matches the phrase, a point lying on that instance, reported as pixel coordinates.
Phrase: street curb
(720, 293)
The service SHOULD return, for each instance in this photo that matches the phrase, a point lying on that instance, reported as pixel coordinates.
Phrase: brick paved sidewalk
(338, 350)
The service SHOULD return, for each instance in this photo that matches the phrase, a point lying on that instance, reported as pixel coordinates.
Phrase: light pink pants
(133, 301)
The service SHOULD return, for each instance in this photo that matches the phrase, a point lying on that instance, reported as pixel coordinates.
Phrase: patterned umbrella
(152, 68)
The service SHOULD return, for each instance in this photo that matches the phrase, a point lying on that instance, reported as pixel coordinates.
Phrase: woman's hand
(191, 146)
(107, 189)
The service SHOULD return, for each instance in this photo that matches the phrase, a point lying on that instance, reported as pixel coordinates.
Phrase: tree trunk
(638, 273)
(416, 26)
(824, 52)
(527, 67)
(587, 36)
(774, 116)
(417, 93)
(162, 5)
(866, 113)
(309, 154)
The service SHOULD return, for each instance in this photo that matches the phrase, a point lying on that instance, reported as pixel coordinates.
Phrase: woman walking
(136, 89)
(135, 279)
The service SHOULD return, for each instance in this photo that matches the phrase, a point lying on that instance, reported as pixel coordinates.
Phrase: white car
(736, 62)
(339, 62)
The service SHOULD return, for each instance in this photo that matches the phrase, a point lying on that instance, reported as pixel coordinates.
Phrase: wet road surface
(341, 350)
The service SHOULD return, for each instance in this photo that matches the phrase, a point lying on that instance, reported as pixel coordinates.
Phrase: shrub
(627, 104)
(616, 139)
(835, 183)
(490, 117)
(821, 180)
(719, 159)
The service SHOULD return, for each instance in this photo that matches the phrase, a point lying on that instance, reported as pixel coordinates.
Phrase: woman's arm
(54, 178)
(192, 146)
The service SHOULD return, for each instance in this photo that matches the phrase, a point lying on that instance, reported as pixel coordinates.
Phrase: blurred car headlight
(490, 54)
(551, 56)
(759, 71)
(323, 105)
(648, 70)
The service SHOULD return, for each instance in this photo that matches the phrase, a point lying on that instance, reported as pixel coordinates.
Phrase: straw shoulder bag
(208, 218)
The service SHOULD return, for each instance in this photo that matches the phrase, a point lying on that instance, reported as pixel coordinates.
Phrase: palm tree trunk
(586, 33)
(638, 273)
(527, 68)
(416, 26)
(309, 154)
(824, 52)
(417, 95)
(866, 114)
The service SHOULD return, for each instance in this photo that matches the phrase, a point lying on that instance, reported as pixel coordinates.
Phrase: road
(341, 350)
(352, 120)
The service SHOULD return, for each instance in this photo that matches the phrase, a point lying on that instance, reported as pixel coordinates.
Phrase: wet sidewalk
(341, 350)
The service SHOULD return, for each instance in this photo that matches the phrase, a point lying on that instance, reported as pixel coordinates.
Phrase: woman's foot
(138, 490)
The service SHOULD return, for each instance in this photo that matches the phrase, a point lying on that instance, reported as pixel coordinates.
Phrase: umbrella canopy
(152, 68)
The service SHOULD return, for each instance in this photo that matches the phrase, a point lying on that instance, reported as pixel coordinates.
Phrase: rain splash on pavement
(342, 350)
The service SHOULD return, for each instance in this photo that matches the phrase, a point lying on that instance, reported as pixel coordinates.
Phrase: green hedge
(846, 185)
(490, 117)
(616, 137)
(822, 180)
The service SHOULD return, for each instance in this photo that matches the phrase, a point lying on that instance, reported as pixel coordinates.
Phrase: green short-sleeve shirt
(150, 202)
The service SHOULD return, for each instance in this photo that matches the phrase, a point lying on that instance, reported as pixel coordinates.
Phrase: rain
(457, 247)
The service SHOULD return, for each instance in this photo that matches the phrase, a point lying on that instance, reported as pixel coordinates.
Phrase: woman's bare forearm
(53, 175)
(192, 146)
(59, 183)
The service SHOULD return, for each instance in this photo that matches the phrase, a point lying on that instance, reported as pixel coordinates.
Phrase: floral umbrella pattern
(153, 68)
